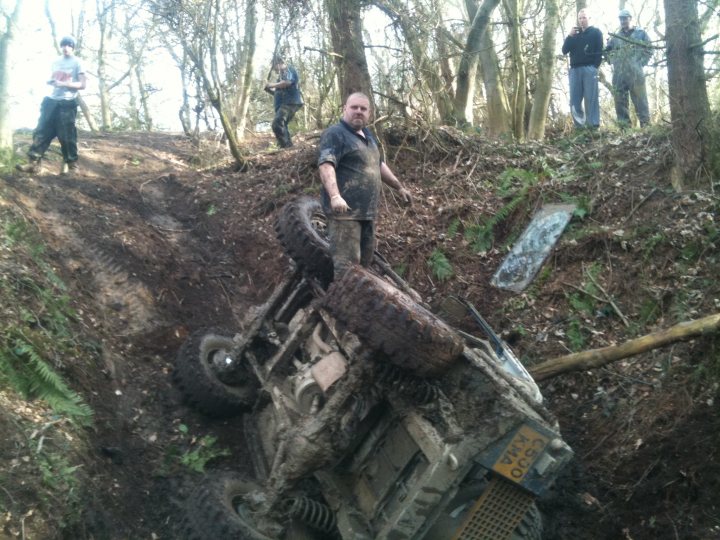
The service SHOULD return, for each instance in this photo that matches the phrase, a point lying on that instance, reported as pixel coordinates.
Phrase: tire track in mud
(144, 267)
(127, 304)
(118, 292)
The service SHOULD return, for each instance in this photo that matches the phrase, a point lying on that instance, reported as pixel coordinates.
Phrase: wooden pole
(599, 357)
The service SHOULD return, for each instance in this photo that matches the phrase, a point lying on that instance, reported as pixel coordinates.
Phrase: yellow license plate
(516, 459)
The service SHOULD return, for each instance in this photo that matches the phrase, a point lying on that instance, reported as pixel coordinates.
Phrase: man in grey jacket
(628, 52)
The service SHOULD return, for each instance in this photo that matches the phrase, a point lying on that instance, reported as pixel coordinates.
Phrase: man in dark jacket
(287, 100)
(628, 52)
(352, 174)
(585, 46)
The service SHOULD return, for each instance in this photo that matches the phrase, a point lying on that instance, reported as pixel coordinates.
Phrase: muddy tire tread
(386, 319)
(301, 241)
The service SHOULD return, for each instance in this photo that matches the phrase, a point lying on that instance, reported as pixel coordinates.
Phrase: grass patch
(43, 474)
(8, 160)
(191, 452)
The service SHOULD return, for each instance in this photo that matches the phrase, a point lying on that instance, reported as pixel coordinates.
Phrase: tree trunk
(546, 71)
(426, 67)
(105, 120)
(346, 36)
(6, 38)
(86, 113)
(213, 87)
(200, 29)
(446, 71)
(146, 121)
(513, 11)
(499, 119)
(467, 70)
(689, 108)
(135, 47)
(247, 65)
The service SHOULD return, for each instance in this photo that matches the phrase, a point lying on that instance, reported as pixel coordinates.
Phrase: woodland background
(493, 66)
(104, 274)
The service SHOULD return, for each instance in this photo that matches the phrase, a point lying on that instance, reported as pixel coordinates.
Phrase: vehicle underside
(365, 414)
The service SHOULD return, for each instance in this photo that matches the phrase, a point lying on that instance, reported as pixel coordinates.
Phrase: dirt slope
(152, 248)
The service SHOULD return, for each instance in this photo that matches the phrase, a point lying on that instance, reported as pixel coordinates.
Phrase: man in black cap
(628, 52)
(58, 111)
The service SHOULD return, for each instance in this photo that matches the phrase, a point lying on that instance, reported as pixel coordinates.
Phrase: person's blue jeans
(584, 96)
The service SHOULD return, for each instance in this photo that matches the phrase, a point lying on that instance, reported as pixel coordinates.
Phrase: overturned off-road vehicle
(366, 415)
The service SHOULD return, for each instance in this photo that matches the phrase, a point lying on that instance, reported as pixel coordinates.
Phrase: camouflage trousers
(283, 116)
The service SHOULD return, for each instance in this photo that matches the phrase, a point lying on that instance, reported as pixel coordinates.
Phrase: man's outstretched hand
(338, 204)
(406, 196)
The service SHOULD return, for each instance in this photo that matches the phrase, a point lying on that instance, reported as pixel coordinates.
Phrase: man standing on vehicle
(287, 100)
(629, 52)
(351, 172)
(58, 111)
(585, 46)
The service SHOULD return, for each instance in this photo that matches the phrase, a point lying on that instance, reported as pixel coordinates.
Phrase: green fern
(480, 235)
(25, 369)
(510, 177)
(453, 227)
(440, 265)
(35, 328)
(576, 335)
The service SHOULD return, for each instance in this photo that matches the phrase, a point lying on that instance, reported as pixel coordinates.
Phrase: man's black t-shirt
(357, 169)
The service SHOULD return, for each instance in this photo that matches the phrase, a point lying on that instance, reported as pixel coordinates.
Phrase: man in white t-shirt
(58, 111)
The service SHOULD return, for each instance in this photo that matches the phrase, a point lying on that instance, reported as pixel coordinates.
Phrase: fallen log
(599, 357)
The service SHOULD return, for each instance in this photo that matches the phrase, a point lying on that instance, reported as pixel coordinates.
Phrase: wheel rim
(224, 366)
(243, 511)
(319, 224)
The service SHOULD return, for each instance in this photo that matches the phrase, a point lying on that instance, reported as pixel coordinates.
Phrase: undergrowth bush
(35, 323)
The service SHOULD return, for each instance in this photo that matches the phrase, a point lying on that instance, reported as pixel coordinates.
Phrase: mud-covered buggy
(366, 416)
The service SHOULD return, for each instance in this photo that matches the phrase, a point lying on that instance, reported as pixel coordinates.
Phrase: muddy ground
(154, 242)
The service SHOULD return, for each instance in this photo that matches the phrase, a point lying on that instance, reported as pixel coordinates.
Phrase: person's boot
(32, 166)
(70, 168)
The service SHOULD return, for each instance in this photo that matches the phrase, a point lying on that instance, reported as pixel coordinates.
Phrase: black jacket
(585, 48)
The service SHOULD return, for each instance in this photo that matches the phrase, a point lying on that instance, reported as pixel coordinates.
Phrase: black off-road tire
(199, 384)
(388, 320)
(215, 510)
(300, 229)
